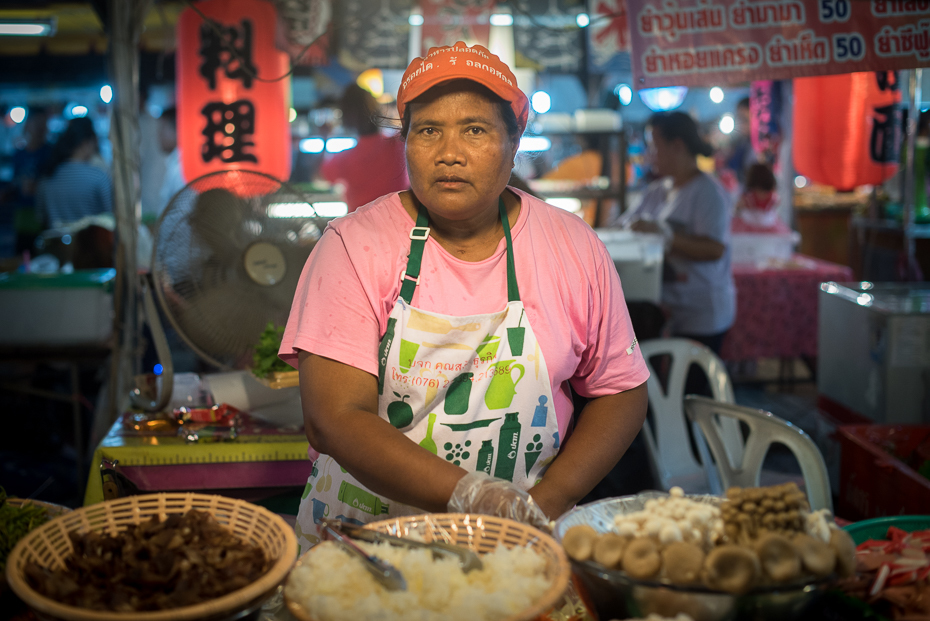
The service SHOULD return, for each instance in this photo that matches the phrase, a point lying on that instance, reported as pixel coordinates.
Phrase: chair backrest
(670, 446)
(764, 429)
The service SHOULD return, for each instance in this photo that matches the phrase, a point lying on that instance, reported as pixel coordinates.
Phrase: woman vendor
(437, 330)
(692, 212)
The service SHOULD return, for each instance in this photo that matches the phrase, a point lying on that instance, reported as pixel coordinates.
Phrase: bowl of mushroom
(758, 553)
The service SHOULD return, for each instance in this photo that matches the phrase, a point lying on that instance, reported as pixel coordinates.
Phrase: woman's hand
(646, 226)
(478, 492)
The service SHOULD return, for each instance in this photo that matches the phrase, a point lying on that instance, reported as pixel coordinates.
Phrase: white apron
(473, 390)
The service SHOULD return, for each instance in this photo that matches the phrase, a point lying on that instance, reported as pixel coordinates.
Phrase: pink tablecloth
(776, 308)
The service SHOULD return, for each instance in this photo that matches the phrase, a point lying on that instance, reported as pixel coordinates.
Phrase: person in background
(375, 166)
(28, 162)
(168, 142)
(757, 208)
(73, 187)
(692, 212)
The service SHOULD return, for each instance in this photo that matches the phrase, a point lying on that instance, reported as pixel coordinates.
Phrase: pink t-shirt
(567, 281)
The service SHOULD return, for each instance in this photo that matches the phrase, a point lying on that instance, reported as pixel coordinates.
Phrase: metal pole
(910, 168)
(125, 22)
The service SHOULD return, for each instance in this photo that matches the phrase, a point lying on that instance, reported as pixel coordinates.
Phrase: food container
(613, 595)
(481, 534)
(758, 249)
(56, 309)
(877, 528)
(638, 259)
(49, 545)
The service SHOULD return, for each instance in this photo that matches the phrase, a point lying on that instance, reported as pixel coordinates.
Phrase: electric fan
(228, 252)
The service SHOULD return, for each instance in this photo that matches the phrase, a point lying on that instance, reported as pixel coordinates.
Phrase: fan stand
(163, 394)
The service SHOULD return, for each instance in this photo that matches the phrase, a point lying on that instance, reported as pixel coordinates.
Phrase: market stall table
(776, 308)
(261, 461)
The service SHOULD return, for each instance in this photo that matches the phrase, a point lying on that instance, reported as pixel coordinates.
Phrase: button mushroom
(641, 559)
(731, 568)
(779, 558)
(683, 562)
(579, 542)
(817, 557)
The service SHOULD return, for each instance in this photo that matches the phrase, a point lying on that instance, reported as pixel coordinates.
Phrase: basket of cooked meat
(154, 557)
(758, 553)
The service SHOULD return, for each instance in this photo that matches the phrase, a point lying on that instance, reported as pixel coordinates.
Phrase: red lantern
(231, 115)
(847, 128)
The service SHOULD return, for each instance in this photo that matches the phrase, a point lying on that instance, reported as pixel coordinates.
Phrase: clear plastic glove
(476, 492)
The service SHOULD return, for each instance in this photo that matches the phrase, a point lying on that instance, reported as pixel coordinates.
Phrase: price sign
(701, 42)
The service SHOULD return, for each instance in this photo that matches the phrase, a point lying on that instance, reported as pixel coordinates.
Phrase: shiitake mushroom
(579, 542)
(683, 562)
(779, 557)
(609, 549)
(731, 568)
(641, 559)
(817, 557)
(845, 549)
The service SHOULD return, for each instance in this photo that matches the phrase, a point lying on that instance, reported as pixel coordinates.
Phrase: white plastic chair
(673, 461)
(764, 429)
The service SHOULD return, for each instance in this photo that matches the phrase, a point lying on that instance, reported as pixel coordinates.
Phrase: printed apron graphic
(473, 390)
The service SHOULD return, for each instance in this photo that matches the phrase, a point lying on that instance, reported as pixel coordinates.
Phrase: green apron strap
(418, 237)
(513, 292)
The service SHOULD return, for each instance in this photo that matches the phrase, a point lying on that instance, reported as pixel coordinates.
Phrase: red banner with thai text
(704, 42)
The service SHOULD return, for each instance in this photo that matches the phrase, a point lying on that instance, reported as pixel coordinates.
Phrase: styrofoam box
(759, 248)
(56, 309)
(638, 259)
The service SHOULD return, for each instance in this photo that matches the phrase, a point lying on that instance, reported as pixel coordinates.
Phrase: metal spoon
(467, 559)
(385, 573)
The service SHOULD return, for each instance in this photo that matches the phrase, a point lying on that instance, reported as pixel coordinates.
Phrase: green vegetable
(15, 522)
(265, 360)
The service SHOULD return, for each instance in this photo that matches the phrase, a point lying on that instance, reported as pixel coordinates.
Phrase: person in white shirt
(692, 212)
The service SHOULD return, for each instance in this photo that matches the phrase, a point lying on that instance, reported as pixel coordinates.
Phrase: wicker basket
(49, 545)
(482, 534)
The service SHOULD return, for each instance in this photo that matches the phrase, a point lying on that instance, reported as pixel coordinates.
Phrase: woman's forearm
(348, 429)
(603, 432)
(696, 247)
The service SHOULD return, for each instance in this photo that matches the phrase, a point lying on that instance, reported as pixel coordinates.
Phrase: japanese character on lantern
(228, 48)
(228, 130)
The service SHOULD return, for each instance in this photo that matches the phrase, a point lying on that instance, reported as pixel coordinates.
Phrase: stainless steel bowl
(614, 595)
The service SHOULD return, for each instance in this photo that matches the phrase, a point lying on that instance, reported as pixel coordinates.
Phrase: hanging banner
(702, 42)
(232, 90)
(446, 22)
(302, 30)
(545, 33)
(765, 110)
(609, 36)
(374, 37)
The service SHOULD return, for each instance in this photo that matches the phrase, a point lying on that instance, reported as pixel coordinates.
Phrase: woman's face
(459, 154)
(661, 154)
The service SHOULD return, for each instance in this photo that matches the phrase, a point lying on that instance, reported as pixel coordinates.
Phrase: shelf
(915, 231)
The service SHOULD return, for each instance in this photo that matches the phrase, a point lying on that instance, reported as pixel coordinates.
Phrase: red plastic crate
(874, 478)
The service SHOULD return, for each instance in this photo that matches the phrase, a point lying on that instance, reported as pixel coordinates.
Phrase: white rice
(334, 585)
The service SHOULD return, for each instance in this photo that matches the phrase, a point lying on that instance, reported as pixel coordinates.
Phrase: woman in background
(692, 212)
